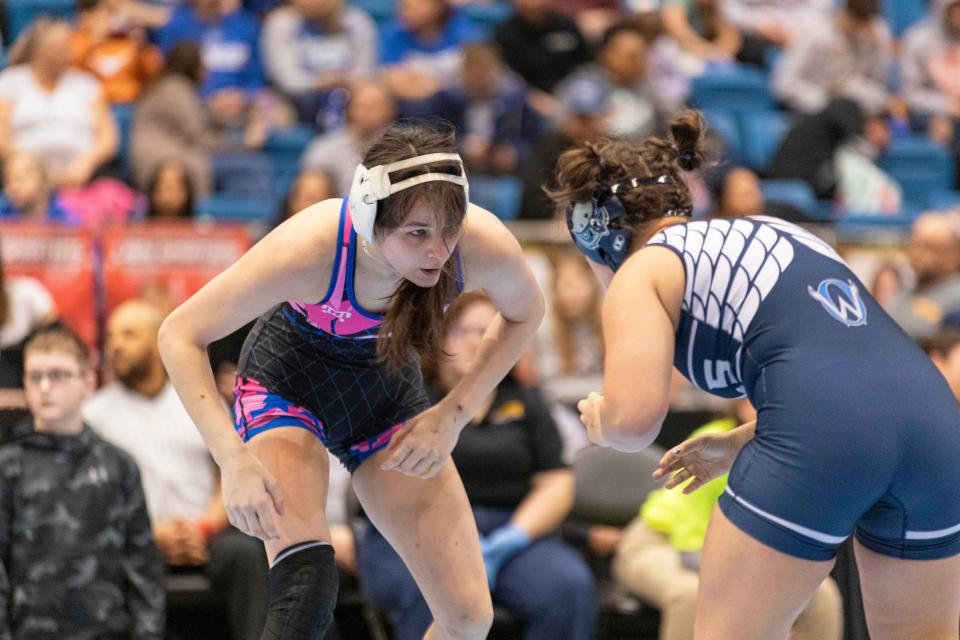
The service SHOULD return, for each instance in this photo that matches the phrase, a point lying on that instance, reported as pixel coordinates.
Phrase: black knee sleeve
(303, 593)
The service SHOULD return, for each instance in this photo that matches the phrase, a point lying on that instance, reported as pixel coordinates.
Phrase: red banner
(167, 263)
(62, 259)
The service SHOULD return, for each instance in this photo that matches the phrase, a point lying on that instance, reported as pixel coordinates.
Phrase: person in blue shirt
(421, 48)
(230, 42)
(856, 430)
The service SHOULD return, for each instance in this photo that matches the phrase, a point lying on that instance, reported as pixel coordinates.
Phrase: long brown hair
(580, 171)
(414, 317)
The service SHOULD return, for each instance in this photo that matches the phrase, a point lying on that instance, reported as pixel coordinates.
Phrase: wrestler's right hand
(251, 496)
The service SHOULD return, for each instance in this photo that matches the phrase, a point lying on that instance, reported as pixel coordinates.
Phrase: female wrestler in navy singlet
(856, 431)
(346, 293)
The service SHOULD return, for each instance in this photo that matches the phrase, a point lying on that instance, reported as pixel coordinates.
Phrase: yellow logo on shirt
(508, 412)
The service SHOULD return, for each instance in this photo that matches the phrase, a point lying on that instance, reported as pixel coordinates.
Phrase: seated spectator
(313, 50)
(570, 340)
(489, 110)
(944, 349)
(887, 281)
(738, 194)
(622, 67)
(29, 194)
(778, 22)
(421, 47)
(25, 307)
(851, 58)
(584, 109)
(76, 556)
(520, 492)
(141, 413)
(53, 111)
(229, 38)
(310, 186)
(112, 50)
(930, 73)
(702, 30)
(934, 255)
(170, 193)
(172, 123)
(541, 45)
(665, 69)
(658, 557)
(370, 109)
(593, 17)
(808, 151)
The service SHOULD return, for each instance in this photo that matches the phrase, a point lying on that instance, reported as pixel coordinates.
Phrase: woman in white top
(52, 110)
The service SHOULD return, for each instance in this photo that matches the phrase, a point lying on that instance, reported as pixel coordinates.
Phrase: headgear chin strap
(598, 228)
(372, 185)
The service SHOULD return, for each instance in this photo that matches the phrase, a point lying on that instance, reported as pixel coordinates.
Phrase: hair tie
(687, 158)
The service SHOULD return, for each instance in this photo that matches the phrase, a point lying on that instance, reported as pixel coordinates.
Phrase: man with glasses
(77, 558)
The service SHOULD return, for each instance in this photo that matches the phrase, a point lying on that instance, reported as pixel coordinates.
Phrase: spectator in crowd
(25, 307)
(849, 58)
(141, 413)
(887, 282)
(934, 255)
(77, 559)
(738, 194)
(702, 29)
(659, 556)
(542, 45)
(584, 108)
(520, 491)
(809, 148)
(28, 192)
(113, 50)
(421, 47)
(570, 340)
(53, 111)
(930, 72)
(621, 66)
(371, 108)
(172, 123)
(309, 187)
(229, 38)
(778, 22)
(170, 192)
(944, 349)
(489, 110)
(593, 17)
(313, 50)
(671, 82)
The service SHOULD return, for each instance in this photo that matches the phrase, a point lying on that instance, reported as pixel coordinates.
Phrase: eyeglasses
(55, 376)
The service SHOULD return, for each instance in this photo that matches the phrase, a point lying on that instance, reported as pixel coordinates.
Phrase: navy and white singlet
(857, 431)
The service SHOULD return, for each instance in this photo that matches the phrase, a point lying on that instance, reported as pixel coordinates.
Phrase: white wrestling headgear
(372, 185)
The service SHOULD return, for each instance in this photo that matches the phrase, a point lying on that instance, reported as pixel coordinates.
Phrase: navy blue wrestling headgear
(597, 225)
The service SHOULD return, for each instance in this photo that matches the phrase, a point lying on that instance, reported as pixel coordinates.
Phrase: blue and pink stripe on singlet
(339, 313)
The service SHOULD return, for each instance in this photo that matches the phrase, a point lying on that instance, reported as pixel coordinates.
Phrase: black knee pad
(303, 593)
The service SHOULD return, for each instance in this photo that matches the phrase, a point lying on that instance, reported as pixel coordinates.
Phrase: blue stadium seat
(761, 132)
(920, 166)
(724, 124)
(244, 175)
(949, 199)
(485, 16)
(123, 116)
(795, 193)
(736, 89)
(21, 13)
(228, 208)
(380, 10)
(501, 195)
(900, 14)
(287, 145)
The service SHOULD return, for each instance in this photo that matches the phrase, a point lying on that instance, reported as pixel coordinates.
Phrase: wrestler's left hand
(423, 444)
